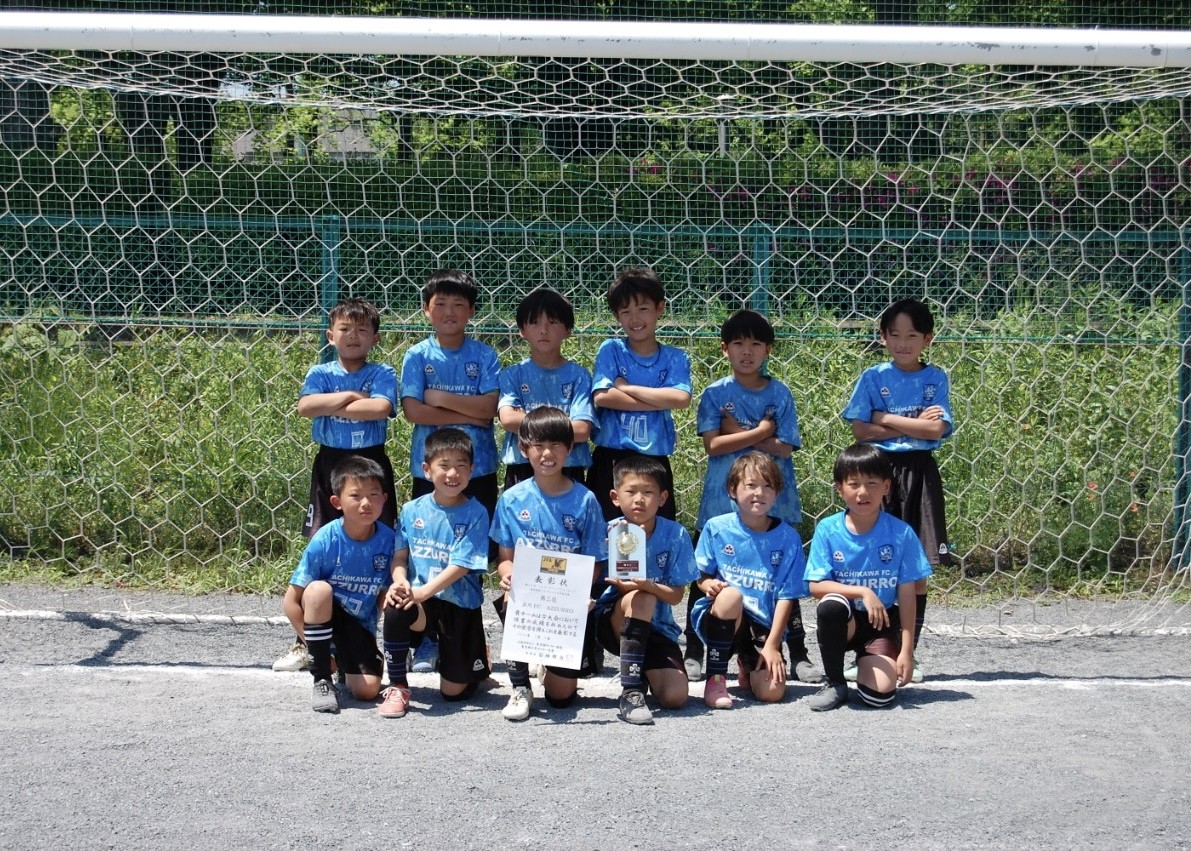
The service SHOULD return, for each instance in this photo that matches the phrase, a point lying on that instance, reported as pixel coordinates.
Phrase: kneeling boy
(334, 590)
(634, 617)
(862, 568)
(441, 557)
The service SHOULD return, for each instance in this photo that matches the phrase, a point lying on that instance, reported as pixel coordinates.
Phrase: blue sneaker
(425, 657)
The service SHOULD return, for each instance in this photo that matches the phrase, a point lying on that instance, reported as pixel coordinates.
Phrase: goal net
(186, 196)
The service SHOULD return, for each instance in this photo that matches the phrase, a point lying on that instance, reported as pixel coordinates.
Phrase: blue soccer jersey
(764, 566)
(570, 523)
(669, 560)
(377, 380)
(886, 388)
(748, 407)
(438, 537)
(646, 432)
(527, 386)
(886, 556)
(470, 370)
(356, 570)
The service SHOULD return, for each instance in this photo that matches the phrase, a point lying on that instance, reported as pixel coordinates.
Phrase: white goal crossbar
(595, 39)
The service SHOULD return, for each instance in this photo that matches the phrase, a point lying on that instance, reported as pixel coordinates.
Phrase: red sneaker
(394, 702)
(715, 693)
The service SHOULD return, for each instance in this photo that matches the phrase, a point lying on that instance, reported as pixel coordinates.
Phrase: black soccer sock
(318, 642)
(396, 636)
(832, 616)
(919, 616)
(633, 638)
(694, 645)
(796, 635)
(719, 634)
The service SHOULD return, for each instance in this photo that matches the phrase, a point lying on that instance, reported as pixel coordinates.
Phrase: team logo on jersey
(730, 407)
(885, 553)
(428, 369)
(885, 394)
(929, 391)
(623, 370)
(523, 515)
(662, 560)
(775, 557)
(419, 523)
(569, 522)
(367, 388)
(524, 389)
(460, 531)
(837, 557)
(729, 550)
(472, 370)
(380, 563)
(567, 390)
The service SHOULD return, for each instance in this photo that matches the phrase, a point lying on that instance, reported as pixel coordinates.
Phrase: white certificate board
(548, 603)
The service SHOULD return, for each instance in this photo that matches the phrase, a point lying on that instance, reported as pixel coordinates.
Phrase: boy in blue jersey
(751, 565)
(545, 319)
(904, 407)
(636, 383)
(440, 560)
(634, 618)
(862, 569)
(334, 590)
(451, 379)
(350, 402)
(744, 412)
(549, 511)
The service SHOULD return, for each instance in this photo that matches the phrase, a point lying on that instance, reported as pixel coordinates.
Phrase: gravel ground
(129, 733)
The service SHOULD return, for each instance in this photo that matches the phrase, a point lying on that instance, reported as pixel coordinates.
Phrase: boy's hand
(505, 570)
(626, 585)
(728, 423)
(904, 666)
(713, 587)
(878, 615)
(771, 660)
(416, 597)
(397, 593)
(934, 412)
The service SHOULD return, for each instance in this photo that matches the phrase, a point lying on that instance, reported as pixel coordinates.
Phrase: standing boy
(441, 557)
(550, 512)
(545, 319)
(334, 590)
(748, 411)
(451, 379)
(862, 569)
(637, 382)
(634, 617)
(752, 565)
(350, 401)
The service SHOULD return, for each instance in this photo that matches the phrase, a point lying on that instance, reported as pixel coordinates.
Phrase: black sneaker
(831, 696)
(326, 698)
(633, 708)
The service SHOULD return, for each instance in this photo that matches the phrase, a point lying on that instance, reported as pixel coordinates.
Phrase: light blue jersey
(886, 556)
(646, 432)
(527, 386)
(764, 566)
(470, 370)
(886, 388)
(570, 523)
(356, 570)
(669, 560)
(377, 380)
(748, 407)
(437, 538)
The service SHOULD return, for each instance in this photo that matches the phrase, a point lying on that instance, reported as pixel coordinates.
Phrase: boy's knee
(833, 610)
(562, 702)
(453, 696)
(874, 697)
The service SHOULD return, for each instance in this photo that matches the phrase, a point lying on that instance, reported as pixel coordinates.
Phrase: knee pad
(562, 702)
(874, 698)
(834, 608)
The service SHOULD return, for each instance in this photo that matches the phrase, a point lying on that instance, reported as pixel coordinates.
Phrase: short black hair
(747, 325)
(864, 459)
(450, 282)
(545, 301)
(448, 439)
(355, 467)
(546, 424)
(919, 313)
(355, 310)
(635, 282)
(640, 465)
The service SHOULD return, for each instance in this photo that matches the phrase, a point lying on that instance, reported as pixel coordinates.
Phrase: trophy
(626, 544)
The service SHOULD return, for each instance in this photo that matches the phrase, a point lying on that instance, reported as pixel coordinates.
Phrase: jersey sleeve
(787, 419)
(603, 376)
(682, 569)
(914, 565)
(581, 404)
(489, 371)
(384, 386)
(510, 391)
(792, 583)
(413, 377)
(678, 375)
(595, 530)
(943, 400)
(314, 564)
(705, 560)
(470, 549)
(818, 563)
(861, 405)
(708, 416)
(315, 382)
(502, 531)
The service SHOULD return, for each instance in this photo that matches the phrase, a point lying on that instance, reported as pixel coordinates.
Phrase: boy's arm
(928, 425)
(730, 437)
(867, 432)
(398, 592)
(634, 397)
(444, 580)
(482, 407)
(350, 404)
(510, 418)
(907, 607)
(665, 593)
(877, 614)
(771, 653)
(504, 567)
(419, 413)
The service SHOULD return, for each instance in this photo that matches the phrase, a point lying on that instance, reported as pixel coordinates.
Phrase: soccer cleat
(831, 696)
(297, 658)
(633, 708)
(694, 668)
(851, 673)
(715, 693)
(394, 702)
(326, 698)
(805, 672)
(425, 657)
(520, 702)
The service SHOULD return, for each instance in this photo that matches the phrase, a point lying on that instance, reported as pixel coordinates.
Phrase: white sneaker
(850, 674)
(537, 672)
(297, 658)
(520, 702)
